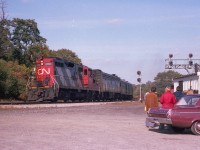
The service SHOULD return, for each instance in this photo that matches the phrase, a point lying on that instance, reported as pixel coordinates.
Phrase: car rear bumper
(155, 121)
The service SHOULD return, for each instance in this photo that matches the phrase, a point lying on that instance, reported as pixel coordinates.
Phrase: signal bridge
(186, 64)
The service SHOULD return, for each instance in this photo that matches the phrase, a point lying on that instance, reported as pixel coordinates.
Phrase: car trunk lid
(158, 112)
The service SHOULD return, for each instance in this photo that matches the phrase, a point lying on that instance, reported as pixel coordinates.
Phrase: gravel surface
(109, 126)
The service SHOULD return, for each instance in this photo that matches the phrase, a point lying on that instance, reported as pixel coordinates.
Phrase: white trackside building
(187, 82)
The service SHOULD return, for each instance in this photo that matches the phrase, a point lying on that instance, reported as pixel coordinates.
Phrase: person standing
(145, 96)
(190, 92)
(172, 88)
(168, 99)
(151, 99)
(178, 94)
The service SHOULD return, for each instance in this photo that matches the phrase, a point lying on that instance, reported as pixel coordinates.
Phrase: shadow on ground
(170, 131)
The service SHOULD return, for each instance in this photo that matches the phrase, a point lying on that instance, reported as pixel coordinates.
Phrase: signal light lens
(190, 63)
(190, 55)
(139, 72)
(170, 55)
(171, 63)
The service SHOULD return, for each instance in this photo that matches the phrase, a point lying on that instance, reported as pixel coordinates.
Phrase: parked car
(185, 114)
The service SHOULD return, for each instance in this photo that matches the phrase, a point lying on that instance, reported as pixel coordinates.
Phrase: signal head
(170, 55)
(190, 55)
(171, 63)
(139, 72)
(139, 80)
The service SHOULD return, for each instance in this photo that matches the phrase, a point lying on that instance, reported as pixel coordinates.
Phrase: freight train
(60, 79)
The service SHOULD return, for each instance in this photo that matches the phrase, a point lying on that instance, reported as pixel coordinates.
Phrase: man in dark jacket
(178, 94)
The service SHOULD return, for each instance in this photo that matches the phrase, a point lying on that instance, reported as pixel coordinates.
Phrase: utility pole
(139, 80)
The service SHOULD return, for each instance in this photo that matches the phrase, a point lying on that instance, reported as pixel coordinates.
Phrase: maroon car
(185, 114)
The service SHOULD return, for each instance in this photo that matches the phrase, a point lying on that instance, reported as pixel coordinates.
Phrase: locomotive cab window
(69, 64)
(85, 72)
(58, 64)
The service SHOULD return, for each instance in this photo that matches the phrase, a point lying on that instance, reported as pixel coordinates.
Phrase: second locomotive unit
(59, 79)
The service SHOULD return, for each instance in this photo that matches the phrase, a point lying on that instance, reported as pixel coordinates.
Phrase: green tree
(147, 86)
(144, 88)
(13, 79)
(6, 46)
(37, 51)
(25, 33)
(34, 52)
(163, 79)
(66, 54)
(3, 78)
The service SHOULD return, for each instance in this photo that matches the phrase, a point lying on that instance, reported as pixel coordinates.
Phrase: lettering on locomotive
(43, 70)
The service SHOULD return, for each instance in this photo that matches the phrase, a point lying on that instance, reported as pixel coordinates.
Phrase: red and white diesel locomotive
(59, 79)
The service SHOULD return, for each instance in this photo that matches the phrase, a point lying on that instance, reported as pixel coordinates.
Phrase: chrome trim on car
(169, 113)
(155, 121)
(189, 112)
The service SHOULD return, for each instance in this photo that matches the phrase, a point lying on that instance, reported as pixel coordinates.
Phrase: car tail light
(169, 113)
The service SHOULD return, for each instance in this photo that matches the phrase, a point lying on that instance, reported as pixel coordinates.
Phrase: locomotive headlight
(169, 113)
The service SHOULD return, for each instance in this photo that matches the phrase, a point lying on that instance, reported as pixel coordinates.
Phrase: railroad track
(22, 104)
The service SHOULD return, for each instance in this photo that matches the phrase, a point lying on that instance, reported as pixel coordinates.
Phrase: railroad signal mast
(139, 80)
(186, 64)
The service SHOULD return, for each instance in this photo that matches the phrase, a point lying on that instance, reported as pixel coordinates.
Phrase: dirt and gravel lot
(112, 126)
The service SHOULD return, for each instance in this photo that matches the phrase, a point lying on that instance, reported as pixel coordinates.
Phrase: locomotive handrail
(55, 85)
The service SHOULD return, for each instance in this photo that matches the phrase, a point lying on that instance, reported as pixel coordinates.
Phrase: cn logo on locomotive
(43, 71)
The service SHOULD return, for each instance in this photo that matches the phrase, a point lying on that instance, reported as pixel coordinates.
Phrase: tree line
(161, 80)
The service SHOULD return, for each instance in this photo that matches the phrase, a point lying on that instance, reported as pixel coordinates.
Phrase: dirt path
(116, 126)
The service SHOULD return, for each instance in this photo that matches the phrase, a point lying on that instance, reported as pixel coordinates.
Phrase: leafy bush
(3, 78)
(13, 79)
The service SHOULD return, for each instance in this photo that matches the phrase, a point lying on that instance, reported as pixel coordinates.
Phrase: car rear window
(188, 100)
(193, 101)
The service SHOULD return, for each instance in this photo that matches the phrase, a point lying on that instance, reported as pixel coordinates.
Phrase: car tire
(177, 129)
(196, 128)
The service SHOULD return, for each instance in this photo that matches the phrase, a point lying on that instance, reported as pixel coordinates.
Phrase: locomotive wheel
(54, 100)
(196, 128)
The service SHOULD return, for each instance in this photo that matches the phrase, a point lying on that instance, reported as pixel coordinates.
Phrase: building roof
(188, 75)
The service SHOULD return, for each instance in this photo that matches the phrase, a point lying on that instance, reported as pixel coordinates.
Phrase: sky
(117, 36)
